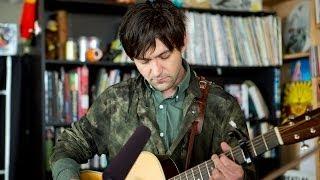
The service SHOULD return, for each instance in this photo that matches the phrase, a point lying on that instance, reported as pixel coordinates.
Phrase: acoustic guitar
(147, 166)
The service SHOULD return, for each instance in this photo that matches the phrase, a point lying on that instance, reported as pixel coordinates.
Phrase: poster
(8, 39)
(297, 29)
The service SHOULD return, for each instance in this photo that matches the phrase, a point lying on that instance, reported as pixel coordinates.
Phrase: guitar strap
(198, 122)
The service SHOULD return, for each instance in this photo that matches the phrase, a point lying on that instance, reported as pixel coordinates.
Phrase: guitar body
(90, 175)
(147, 166)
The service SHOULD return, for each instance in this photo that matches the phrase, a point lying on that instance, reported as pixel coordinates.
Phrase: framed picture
(8, 39)
(296, 30)
(317, 12)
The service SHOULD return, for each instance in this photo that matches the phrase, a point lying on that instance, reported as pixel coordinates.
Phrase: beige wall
(10, 11)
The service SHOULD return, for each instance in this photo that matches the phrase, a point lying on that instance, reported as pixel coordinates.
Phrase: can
(94, 42)
(83, 46)
(71, 50)
(94, 53)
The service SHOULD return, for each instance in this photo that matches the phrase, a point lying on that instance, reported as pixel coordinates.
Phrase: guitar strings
(238, 151)
(235, 151)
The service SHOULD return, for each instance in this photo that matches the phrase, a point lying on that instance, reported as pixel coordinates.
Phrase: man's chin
(161, 87)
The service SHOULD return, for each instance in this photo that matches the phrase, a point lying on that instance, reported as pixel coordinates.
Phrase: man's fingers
(225, 147)
(233, 170)
(216, 174)
(225, 161)
(218, 164)
(228, 163)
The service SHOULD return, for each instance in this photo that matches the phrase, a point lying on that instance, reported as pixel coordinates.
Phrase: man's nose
(156, 68)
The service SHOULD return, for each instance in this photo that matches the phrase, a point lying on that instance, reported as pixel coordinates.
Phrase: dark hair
(145, 22)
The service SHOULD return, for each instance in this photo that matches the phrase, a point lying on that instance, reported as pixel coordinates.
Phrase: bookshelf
(290, 57)
(79, 63)
(283, 9)
(107, 15)
(6, 132)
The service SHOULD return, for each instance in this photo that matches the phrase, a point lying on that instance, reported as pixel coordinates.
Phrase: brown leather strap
(198, 122)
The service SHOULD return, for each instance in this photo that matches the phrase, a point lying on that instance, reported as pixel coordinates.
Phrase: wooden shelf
(272, 2)
(289, 57)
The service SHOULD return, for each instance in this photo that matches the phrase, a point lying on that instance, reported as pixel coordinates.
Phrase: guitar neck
(255, 147)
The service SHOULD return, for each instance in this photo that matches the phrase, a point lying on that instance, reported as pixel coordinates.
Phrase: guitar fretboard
(256, 146)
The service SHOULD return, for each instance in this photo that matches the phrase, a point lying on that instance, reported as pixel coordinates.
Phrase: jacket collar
(194, 85)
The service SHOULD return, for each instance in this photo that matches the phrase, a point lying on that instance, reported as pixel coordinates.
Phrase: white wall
(10, 11)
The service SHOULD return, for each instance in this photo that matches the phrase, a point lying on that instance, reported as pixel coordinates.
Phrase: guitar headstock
(292, 119)
(303, 127)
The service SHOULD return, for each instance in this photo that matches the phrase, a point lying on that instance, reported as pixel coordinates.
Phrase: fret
(192, 173)
(264, 141)
(258, 143)
(239, 155)
(207, 168)
(204, 171)
(200, 172)
(279, 138)
(272, 140)
(254, 150)
(232, 154)
(244, 157)
(195, 173)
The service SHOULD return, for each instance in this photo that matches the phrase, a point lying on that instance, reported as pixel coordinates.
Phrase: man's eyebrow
(159, 55)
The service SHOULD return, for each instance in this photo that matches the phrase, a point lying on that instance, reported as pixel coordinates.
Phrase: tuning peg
(304, 146)
(309, 109)
(291, 117)
(307, 117)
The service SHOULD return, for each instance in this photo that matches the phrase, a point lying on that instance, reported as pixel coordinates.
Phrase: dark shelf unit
(79, 63)
(84, 16)
(107, 6)
(84, 6)
(241, 69)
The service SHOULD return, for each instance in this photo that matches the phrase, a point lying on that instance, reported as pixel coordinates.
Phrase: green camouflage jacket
(120, 109)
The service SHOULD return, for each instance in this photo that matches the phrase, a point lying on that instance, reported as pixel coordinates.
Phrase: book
(258, 100)
(62, 20)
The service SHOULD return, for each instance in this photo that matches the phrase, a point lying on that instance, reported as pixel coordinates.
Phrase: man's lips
(160, 80)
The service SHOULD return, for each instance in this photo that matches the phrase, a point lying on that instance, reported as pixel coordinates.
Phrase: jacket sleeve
(65, 168)
(236, 116)
(78, 142)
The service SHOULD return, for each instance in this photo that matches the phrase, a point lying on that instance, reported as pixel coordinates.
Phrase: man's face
(160, 67)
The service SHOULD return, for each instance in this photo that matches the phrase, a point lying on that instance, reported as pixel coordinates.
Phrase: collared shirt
(169, 111)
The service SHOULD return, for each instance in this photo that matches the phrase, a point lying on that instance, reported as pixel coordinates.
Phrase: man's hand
(225, 168)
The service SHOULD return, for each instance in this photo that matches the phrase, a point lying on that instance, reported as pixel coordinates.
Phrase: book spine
(62, 33)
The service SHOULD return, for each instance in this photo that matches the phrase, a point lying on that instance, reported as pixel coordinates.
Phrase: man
(162, 98)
